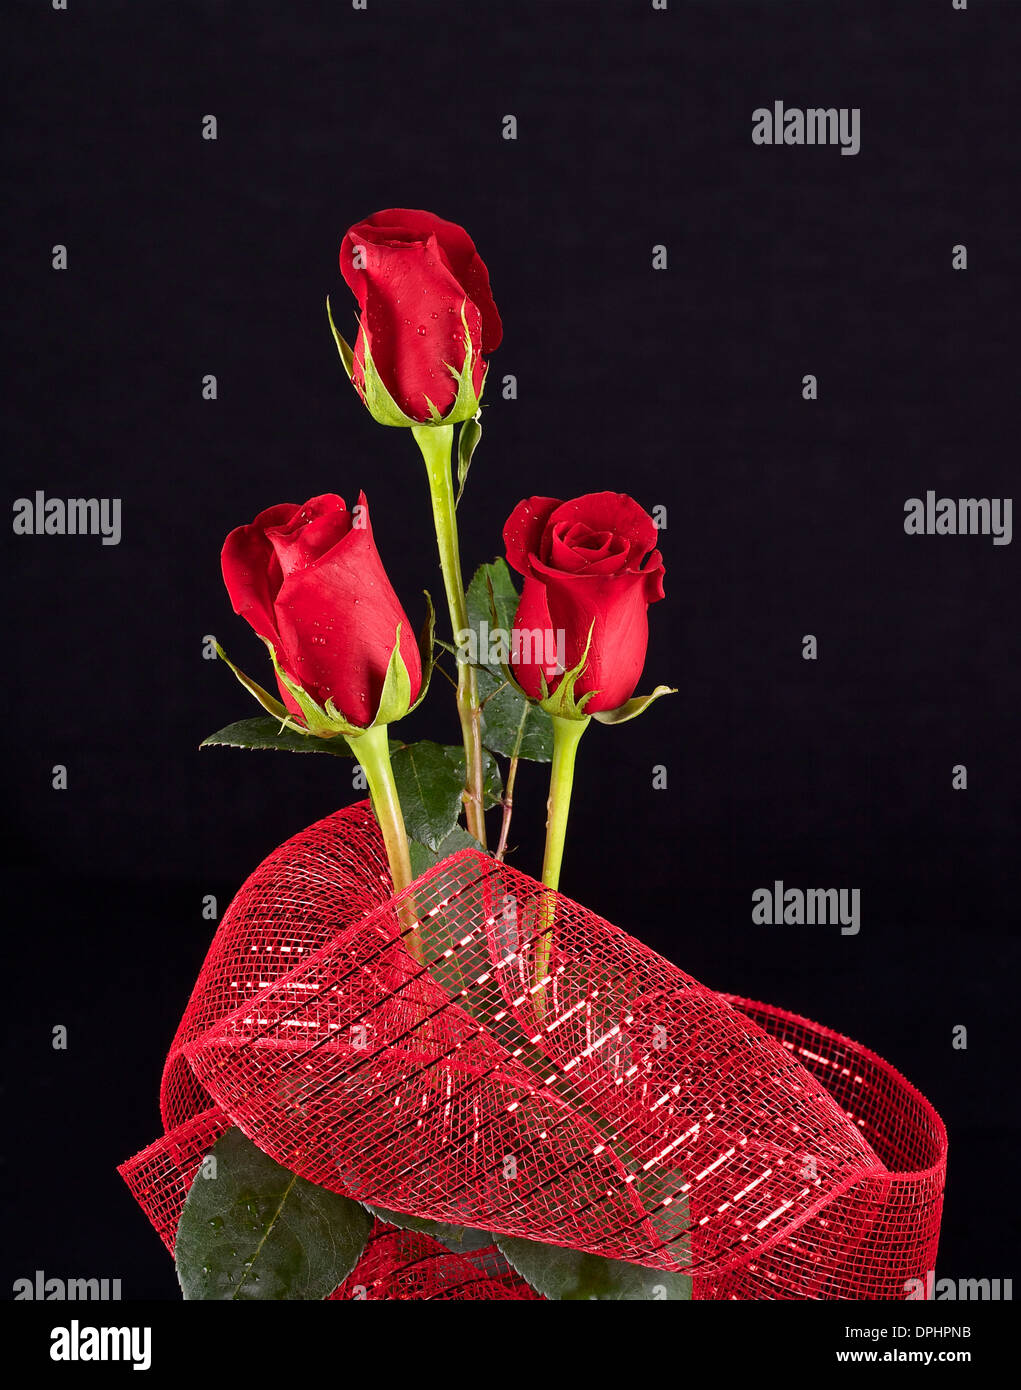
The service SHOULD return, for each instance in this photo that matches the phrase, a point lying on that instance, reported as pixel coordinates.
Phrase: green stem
(372, 750)
(566, 737)
(436, 443)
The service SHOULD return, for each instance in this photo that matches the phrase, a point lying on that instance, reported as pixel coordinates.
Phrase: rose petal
(653, 573)
(523, 530)
(532, 637)
(411, 319)
(616, 512)
(338, 624)
(615, 609)
(584, 538)
(310, 533)
(575, 558)
(403, 225)
(252, 572)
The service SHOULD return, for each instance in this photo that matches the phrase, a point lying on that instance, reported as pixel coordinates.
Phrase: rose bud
(581, 631)
(310, 582)
(427, 321)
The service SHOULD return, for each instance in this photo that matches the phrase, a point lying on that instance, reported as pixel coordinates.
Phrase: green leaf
(462, 1239)
(572, 1275)
(492, 781)
(633, 708)
(257, 1231)
(491, 598)
(264, 732)
(508, 714)
(468, 437)
(429, 784)
(424, 858)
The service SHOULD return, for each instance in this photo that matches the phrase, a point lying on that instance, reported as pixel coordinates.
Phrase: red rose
(413, 274)
(310, 581)
(587, 565)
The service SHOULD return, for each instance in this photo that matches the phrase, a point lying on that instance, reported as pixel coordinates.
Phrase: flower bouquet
(410, 1070)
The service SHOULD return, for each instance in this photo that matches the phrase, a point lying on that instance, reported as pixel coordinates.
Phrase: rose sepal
(632, 708)
(327, 721)
(347, 356)
(269, 702)
(562, 704)
(396, 693)
(321, 721)
(382, 406)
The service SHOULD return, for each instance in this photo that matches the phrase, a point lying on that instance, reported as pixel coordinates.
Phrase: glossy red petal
(616, 512)
(252, 572)
(524, 528)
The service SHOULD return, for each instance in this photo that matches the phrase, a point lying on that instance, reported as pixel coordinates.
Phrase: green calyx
(327, 721)
(563, 704)
(382, 406)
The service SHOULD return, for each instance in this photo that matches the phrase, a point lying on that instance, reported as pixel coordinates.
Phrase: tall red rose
(310, 581)
(414, 275)
(588, 564)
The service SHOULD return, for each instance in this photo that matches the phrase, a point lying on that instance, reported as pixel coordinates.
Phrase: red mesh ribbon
(620, 1107)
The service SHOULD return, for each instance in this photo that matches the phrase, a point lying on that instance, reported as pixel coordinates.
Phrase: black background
(681, 386)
